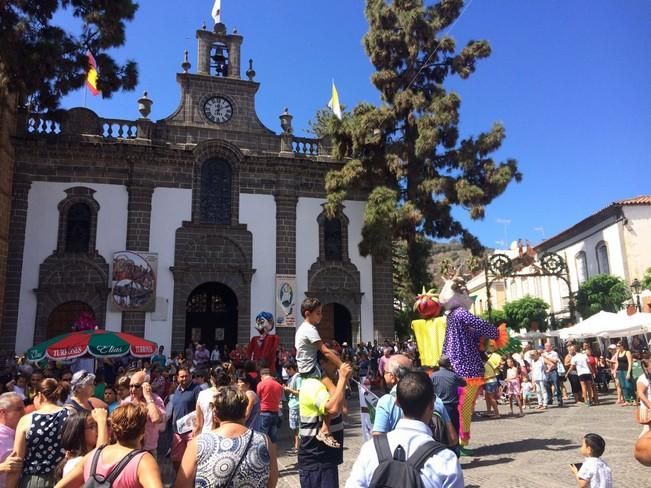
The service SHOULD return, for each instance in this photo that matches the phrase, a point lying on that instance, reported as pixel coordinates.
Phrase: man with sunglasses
(141, 392)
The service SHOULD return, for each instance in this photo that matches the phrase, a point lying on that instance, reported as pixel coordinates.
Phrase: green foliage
(402, 323)
(407, 153)
(403, 290)
(43, 62)
(646, 280)
(497, 317)
(601, 292)
(523, 312)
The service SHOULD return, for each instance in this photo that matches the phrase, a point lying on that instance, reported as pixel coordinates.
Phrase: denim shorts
(491, 387)
(294, 419)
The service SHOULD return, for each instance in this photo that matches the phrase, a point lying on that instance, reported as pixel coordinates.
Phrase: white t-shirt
(205, 398)
(538, 370)
(552, 356)
(306, 357)
(642, 380)
(580, 362)
(596, 472)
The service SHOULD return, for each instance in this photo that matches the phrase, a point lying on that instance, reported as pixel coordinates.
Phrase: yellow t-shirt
(430, 335)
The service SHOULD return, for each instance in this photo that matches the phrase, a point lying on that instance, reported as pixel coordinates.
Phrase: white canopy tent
(590, 327)
(629, 325)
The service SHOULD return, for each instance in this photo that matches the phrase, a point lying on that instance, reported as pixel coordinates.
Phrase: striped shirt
(312, 453)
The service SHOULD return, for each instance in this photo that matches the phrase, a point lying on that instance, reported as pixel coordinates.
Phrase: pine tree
(407, 153)
(41, 62)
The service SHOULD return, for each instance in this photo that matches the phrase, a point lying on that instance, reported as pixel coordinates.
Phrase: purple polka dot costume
(461, 343)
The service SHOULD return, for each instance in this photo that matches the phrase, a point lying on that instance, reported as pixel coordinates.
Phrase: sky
(568, 79)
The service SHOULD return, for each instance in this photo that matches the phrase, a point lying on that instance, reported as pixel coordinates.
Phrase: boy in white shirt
(308, 344)
(594, 472)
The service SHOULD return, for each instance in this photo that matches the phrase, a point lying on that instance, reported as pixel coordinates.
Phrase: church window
(332, 240)
(215, 199)
(78, 228)
(581, 267)
(602, 258)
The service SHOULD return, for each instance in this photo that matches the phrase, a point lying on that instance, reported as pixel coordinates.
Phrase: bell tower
(219, 53)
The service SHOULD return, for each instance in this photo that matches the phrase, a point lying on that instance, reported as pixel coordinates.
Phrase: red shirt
(270, 393)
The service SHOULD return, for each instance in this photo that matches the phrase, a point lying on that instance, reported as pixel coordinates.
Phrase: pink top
(128, 478)
(150, 442)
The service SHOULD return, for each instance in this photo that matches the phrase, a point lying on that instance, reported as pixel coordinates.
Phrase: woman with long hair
(205, 399)
(231, 455)
(624, 361)
(134, 467)
(38, 438)
(82, 432)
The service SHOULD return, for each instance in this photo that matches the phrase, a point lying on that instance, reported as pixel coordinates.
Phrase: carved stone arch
(220, 152)
(343, 221)
(210, 253)
(68, 278)
(75, 196)
(332, 282)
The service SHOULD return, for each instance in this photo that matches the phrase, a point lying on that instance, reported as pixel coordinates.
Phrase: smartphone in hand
(577, 465)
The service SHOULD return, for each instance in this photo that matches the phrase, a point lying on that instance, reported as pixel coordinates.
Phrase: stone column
(383, 298)
(285, 250)
(7, 132)
(138, 223)
(18, 222)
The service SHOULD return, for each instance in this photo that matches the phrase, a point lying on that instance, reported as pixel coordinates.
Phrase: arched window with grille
(602, 258)
(581, 261)
(215, 197)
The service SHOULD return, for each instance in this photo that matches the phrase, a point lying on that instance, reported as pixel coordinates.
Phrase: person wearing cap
(81, 398)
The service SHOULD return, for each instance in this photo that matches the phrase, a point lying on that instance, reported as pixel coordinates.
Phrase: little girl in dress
(513, 378)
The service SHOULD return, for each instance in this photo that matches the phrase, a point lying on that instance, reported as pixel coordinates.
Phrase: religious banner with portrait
(286, 301)
(133, 281)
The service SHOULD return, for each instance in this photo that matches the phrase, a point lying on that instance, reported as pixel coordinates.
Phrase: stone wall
(7, 129)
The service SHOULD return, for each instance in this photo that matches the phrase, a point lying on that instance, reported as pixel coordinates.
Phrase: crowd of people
(215, 415)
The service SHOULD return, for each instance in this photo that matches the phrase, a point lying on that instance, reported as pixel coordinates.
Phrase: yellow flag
(333, 104)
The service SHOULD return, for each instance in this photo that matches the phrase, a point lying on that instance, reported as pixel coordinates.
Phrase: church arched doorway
(62, 318)
(211, 316)
(336, 323)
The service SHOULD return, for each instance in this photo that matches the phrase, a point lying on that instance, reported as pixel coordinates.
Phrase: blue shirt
(442, 470)
(388, 413)
(184, 402)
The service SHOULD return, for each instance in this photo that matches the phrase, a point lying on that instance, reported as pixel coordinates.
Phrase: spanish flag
(91, 77)
(333, 104)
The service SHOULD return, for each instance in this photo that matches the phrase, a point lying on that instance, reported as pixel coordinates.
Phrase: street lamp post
(635, 286)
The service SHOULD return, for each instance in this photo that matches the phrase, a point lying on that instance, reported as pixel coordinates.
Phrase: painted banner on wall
(285, 300)
(133, 282)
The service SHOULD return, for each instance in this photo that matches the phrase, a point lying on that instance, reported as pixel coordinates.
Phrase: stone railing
(118, 129)
(305, 146)
(39, 124)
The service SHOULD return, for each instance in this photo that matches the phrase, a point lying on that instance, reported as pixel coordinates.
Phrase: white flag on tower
(217, 11)
(333, 104)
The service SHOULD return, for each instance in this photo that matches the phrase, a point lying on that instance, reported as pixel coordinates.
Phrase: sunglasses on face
(135, 385)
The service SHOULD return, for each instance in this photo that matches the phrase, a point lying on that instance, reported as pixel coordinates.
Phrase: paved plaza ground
(529, 452)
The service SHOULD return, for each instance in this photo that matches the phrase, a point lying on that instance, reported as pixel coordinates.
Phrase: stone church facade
(225, 203)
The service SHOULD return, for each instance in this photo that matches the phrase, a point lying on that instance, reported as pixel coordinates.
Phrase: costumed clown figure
(461, 337)
(464, 338)
(264, 347)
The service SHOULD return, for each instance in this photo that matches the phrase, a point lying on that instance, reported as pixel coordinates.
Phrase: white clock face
(218, 110)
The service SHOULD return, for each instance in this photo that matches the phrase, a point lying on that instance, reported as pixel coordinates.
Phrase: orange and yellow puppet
(459, 336)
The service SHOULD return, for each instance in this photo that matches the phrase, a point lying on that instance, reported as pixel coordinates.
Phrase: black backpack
(97, 480)
(394, 471)
(439, 429)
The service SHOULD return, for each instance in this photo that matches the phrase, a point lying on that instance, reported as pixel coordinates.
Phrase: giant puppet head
(264, 323)
(454, 293)
(426, 305)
